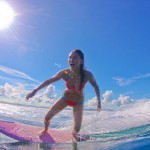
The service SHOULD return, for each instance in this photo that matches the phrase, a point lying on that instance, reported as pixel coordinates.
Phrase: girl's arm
(56, 77)
(93, 82)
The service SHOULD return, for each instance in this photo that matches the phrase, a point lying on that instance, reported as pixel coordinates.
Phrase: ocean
(124, 128)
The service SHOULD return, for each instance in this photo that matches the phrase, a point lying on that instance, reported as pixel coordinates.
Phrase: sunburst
(7, 15)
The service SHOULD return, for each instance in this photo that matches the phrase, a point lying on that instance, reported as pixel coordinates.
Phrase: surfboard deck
(29, 133)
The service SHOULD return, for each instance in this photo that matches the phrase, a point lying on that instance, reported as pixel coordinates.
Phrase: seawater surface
(126, 128)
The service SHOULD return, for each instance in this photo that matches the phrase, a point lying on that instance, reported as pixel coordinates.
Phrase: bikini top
(73, 89)
(69, 87)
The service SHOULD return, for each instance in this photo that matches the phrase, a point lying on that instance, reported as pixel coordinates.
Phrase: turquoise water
(127, 128)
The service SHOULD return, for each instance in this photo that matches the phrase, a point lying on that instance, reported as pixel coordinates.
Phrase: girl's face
(74, 60)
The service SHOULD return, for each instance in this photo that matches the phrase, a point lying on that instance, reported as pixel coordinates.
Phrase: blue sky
(114, 36)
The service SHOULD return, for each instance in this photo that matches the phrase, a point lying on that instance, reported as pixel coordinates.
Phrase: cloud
(107, 96)
(15, 89)
(108, 101)
(91, 104)
(12, 93)
(2, 91)
(48, 95)
(11, 80)
(57, 65)
(123, 100)
(16, 73)
(50, 92)
(121, 81)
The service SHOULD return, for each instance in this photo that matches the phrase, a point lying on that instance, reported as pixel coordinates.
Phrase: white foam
(135, 114)
(131, 115)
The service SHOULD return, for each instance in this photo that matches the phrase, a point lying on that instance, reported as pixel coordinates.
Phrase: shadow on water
(38, 146)
(140, 144)
(65, 146)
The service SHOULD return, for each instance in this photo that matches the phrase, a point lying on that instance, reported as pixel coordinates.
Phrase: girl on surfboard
(75, 77)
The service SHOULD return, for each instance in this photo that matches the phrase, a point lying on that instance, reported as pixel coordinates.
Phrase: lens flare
(7, 15)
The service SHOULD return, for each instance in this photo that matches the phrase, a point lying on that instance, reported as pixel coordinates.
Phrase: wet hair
(82, 67)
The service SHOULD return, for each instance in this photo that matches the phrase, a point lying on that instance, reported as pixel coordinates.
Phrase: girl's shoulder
(62, 73)
(88, 73)
(65, 73)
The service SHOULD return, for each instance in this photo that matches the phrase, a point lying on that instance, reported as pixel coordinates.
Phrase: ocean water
(125, 128)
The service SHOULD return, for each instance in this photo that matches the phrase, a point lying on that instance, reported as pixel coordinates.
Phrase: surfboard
(29, 133)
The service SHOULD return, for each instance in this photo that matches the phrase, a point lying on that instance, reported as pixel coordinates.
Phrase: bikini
(69, 101)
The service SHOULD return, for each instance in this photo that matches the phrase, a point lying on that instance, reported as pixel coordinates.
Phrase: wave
(141, 131)
(129, 116)
(114, 129)
(133, 115)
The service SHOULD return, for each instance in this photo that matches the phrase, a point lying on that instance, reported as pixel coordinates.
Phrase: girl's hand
(30, 95)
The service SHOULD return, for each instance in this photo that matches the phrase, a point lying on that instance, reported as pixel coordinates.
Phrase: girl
(75, 78)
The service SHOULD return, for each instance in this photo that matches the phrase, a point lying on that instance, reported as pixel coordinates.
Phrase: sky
(113, 35)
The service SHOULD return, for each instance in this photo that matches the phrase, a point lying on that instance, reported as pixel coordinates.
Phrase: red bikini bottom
(72, 103)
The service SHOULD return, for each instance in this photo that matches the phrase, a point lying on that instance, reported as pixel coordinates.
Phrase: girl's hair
(82, 67)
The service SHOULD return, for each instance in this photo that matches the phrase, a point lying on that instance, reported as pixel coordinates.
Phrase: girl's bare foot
(75, 137)
(42, 133)
(79, 138)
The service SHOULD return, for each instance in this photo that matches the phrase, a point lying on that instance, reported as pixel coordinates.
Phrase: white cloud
(91, 104)
(16, 73)
(18, 92)
(50, 92)
(10, 91)
(57, 65)
(123, 100)
(48, 95)
(15, 89)
(108, 101)
(12, 80)
(107, 96)
(121, 81)
(2, 91)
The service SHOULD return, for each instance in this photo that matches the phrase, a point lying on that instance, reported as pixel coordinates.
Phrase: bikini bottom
(72, 103)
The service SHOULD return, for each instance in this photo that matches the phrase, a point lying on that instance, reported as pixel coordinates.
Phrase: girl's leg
(77, 120)
(56, 108)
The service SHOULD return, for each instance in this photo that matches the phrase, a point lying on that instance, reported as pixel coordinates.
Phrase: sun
(7, 15)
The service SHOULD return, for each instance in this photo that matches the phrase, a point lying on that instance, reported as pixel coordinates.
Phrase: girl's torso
(73, 90)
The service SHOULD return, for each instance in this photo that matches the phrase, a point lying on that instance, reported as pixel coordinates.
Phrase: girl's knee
(48, 117)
